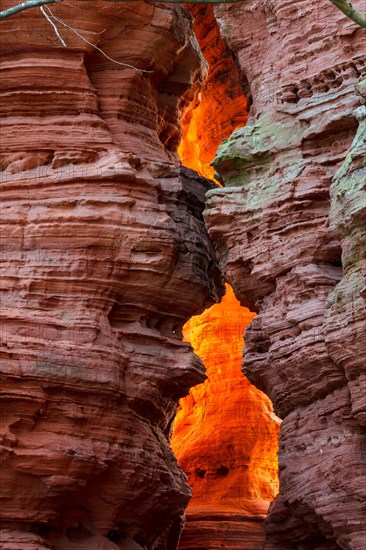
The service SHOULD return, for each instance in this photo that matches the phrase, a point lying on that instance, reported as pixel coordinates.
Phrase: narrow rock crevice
(225, 433)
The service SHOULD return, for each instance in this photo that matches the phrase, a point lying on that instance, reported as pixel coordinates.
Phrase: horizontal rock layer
(105, 257)
(290, 243)
(216, 530)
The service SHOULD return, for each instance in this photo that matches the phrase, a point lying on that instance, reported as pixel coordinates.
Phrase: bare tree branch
(62, 22)
(26, 6)
(351, 12)
(54, 27)
(346, 7)
(36, 3)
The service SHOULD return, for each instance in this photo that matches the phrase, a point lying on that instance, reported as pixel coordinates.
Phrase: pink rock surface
(105, 257)
(292, 250)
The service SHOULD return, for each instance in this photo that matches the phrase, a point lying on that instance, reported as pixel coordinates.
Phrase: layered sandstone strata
(225, 433)
(220, 107)
(291, 244)
(105, 257)
(225, 437)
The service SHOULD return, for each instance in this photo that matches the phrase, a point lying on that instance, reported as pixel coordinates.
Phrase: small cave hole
(222, 471)
(113, 536)
(336, 263)
(77, 533)
(140, 541)
(200, 473)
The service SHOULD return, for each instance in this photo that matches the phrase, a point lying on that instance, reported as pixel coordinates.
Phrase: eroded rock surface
(105, 257)
(291, 243)
(220, 106)
(225, 437)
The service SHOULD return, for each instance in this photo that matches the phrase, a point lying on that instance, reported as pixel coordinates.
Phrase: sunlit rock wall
(225, 434)
(220, 106)
(225, 437)
(105, 257)
(291, 243)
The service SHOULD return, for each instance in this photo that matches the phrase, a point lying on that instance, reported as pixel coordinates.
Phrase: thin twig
(344, 5)
(54, 27)
(62, 22)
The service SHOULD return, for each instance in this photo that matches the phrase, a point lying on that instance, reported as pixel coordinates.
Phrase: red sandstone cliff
(290, 243)
(220, 106)
(225, 437)
(105, 257)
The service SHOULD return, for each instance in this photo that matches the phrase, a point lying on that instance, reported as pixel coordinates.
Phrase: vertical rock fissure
(220, 106)
(225, 433)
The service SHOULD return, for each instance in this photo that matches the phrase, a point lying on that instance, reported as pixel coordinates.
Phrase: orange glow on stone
(221, 106)
(225, 432)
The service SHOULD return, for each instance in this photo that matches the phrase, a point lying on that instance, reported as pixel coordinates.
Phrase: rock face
(105, 257)
(345, 311)
(291, 243)
(220, 106)
(225, 437)
(225, 433)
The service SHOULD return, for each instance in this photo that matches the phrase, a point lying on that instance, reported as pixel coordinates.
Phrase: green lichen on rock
(255, 148)
(259, 163)
(346, 303)
(348, 196)
(348, 189)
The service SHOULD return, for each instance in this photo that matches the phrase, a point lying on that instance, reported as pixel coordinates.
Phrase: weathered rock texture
(225, 434)
(220, 106)
(292, 246)
(105, 257)
(225, 437)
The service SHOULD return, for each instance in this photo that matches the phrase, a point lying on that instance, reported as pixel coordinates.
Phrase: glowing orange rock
(220, 108)
(225, 433)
